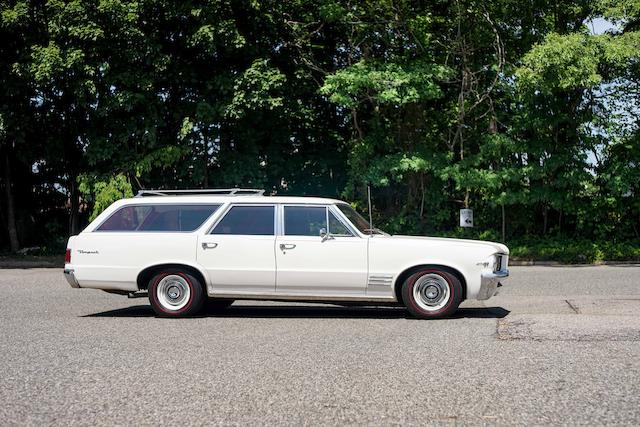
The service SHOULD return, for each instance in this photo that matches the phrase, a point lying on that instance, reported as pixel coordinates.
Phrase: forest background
(526, 112)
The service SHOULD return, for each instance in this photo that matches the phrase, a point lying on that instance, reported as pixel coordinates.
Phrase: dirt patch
(567, 327)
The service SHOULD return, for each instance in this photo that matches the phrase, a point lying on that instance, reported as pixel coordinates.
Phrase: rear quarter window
(159, 218)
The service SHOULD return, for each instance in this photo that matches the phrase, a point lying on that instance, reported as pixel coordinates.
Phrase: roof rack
(202, 192)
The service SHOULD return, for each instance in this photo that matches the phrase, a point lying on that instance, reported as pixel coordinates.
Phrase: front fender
(395, 256)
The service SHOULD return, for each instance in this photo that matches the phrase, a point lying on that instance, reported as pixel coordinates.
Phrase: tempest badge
(81, 251)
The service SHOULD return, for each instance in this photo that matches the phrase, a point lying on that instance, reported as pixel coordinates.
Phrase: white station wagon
(185, 249)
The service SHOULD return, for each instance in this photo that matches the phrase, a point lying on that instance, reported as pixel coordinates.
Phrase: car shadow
(309, 312)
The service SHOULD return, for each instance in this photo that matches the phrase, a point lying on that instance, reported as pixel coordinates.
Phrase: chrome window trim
(332, 209)
(279, 217)
(231, 205)
(328, 208)
(345, 221)
(96, 229)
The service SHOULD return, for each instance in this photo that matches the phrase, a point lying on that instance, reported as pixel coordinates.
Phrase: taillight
(67, 256)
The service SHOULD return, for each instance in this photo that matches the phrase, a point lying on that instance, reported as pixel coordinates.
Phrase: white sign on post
(466, 217)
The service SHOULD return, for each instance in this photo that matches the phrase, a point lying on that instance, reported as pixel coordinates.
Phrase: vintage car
(185, 249)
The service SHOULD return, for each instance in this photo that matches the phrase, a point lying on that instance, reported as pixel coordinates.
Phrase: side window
(158, 218)
(304, 220)
(127, 218)
(336, 227)
(177, 217)
(248, 221)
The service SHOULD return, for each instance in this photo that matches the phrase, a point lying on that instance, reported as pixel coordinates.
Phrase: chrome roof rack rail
(203, 192)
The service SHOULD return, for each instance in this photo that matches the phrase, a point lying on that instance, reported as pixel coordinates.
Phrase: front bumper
(71, 278)
(490, 282)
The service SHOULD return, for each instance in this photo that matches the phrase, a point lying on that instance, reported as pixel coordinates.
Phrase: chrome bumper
(71, 278)
(490, 282)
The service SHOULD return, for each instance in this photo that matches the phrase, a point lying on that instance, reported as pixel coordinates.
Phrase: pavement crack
(573, 306)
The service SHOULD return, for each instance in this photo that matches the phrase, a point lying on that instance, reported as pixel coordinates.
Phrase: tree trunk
(74, 217)
(545, 216)
(11, 212)
(205, 160)
(422, 191)
(503, 223)
(560, 221)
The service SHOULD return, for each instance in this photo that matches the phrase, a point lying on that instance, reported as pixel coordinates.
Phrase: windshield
(357, 220)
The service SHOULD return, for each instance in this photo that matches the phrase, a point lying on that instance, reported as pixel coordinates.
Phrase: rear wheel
(175, 293)
(432, 292)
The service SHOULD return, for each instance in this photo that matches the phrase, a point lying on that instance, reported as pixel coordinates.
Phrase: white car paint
(362, 267)
(243, 264)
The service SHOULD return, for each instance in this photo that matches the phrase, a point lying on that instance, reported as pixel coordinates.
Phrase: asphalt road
(558, 346)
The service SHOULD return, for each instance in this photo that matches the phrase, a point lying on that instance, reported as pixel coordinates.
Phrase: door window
(304, 220)
(247, 221)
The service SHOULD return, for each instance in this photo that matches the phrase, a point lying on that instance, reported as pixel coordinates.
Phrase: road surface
(559, 345)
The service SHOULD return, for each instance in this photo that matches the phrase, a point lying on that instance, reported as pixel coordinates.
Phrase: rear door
(310, 264)
(238, 252)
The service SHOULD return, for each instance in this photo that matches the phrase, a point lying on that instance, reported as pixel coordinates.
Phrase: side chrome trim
(380, 279)
(302, 297)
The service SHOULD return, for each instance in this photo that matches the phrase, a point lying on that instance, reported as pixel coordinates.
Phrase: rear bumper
(71, 278)
(490, 282)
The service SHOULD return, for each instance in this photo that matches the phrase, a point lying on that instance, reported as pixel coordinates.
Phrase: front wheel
(432, 292)
(175, 293)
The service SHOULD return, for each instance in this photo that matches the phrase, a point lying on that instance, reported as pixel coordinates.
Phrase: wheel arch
(145, 275)
(410, 270)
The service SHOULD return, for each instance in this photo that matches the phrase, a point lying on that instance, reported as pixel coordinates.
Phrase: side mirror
(324, 235)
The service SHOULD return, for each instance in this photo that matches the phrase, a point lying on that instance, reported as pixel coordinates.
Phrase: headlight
(497, 266)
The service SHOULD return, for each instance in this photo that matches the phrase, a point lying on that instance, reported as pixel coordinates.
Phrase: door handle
(285, 246)
(206, 245)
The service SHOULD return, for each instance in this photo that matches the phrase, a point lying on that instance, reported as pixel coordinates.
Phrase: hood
(498, 247)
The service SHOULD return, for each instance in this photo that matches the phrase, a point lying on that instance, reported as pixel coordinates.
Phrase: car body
(244, 245)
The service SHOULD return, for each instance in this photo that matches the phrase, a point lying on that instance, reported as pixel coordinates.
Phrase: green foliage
(384, 83)
(562, 62)
(574, 251)
(102, 193)
(259, 87)
(513, 109)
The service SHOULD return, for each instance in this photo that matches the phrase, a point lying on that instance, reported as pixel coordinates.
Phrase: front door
(318, 255)
(238, 253)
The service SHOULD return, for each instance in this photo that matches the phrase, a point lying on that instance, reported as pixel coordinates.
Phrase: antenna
(370, 210)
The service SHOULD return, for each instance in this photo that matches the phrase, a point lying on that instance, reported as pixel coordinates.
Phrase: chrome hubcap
(173, 292)
(431, 292)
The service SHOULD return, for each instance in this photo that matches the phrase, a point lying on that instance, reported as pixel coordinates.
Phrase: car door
(238, 252)
(317, 254)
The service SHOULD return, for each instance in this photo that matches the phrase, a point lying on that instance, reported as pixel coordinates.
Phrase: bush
(574, 251)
